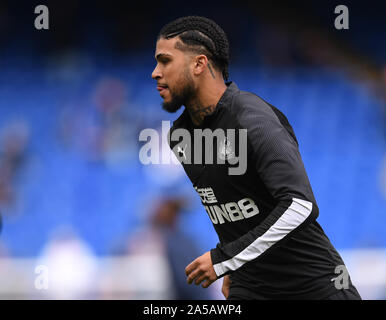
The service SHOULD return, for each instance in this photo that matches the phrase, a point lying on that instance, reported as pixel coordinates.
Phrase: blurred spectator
(13, 155)
(163, 235)
(121, 121)
(108, 126)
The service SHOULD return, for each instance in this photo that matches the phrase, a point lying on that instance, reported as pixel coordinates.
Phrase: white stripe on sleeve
(294, 216)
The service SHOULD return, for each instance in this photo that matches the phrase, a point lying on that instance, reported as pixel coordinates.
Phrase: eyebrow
(161, 55)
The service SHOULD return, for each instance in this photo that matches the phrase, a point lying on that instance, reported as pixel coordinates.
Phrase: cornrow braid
(201, 35)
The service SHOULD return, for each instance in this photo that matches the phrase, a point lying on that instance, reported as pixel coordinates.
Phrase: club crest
(225, 150)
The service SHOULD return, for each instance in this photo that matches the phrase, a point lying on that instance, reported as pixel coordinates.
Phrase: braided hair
(202, 36)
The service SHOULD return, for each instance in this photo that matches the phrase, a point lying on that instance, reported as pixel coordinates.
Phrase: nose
(156, 74)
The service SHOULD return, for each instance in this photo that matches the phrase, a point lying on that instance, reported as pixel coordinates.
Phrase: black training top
(265, 217)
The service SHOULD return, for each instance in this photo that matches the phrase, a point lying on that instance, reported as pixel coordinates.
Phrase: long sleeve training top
(265, 216)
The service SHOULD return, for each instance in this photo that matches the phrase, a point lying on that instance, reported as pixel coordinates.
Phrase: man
(271, 246)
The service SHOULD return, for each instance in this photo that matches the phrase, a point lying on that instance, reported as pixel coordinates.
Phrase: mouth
(161, 88)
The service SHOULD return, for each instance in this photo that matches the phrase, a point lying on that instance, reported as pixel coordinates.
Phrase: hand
(225, 286)
(201, 270)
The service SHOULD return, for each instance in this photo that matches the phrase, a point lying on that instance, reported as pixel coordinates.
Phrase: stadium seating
(338, 124)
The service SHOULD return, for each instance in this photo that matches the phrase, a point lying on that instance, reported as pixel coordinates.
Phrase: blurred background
(82, 218)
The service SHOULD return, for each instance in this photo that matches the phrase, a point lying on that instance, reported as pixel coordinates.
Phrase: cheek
(169, 75)
(176, 76)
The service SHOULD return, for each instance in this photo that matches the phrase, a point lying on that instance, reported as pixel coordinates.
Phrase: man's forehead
(166, 46)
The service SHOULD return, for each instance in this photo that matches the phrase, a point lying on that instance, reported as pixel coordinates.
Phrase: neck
(205, 101)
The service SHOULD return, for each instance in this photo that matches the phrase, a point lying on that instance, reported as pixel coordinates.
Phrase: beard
(181, 95)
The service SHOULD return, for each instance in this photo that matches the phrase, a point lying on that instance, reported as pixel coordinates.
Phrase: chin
(165, 100)
(170, 107)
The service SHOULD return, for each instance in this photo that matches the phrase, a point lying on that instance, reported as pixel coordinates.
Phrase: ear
(200, 64)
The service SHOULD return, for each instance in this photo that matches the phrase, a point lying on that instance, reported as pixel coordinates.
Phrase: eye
(164, 60)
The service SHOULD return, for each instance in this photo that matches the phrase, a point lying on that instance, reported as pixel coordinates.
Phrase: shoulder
(249, 110)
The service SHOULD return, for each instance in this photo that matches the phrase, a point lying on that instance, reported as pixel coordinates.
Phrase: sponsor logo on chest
(226, 212)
